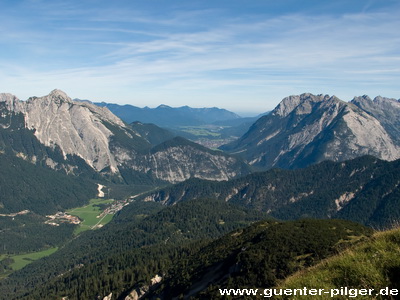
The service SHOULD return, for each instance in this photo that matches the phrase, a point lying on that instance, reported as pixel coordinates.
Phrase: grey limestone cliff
(75, 127)
(386, 110)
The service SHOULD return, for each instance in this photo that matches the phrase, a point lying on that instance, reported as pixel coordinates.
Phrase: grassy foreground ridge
(374, 264)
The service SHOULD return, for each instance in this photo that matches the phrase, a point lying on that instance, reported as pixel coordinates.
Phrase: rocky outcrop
(109, 297)
(307, 129)
(140, 292)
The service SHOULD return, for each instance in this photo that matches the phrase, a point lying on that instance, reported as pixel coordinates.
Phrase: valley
(96, 214)
(210, 136)
(199, 150)
(209, 127)
(92, 216)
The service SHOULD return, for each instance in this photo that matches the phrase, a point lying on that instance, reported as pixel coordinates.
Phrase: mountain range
(210, 127)
(167, 116)
(307, 129)
(76, 137)
(79, 137)
(313, 156)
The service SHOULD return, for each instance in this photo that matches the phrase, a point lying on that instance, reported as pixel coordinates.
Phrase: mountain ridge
(167, 116)
(363, 189)
(85, 134)
(306, 129)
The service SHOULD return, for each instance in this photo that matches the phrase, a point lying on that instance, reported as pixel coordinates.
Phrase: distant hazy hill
(167, 116)
(152, 133)
(364, 190)
(307, 129)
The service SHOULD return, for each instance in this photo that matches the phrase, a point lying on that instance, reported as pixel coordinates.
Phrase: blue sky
(243, 55)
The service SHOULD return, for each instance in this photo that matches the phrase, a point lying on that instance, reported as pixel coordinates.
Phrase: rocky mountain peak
(59, 94)
(362, 101)
(307, 128)
(11, 102)
(379, 100)
(385, 110)
(56, 97)
(364, 97)
(302, 104)
(73, 127)
(378, 106)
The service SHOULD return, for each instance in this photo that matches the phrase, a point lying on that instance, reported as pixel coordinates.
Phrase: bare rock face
(177, 164)
(307, 129)
(106, 144)
(140, 292)
(368, 136)
(385, 110)
(76, 128)
(301, 103)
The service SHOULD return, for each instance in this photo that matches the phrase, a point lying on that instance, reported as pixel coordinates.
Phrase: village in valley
(68, 217)
(62, 217)
(93, 215)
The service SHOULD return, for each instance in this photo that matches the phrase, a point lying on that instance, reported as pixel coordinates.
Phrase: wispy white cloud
(152, 59)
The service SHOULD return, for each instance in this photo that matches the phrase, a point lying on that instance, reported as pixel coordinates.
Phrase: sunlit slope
(373, 264)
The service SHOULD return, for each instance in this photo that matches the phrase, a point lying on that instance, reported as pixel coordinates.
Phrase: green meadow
(21, 260)
(90, 215)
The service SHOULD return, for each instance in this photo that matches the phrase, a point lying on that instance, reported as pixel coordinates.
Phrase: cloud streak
(148, 60)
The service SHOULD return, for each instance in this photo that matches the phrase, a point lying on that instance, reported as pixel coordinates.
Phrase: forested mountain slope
(136, 245)
(28, 192)
(364, 190)
(258, 256)
(24, 185)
